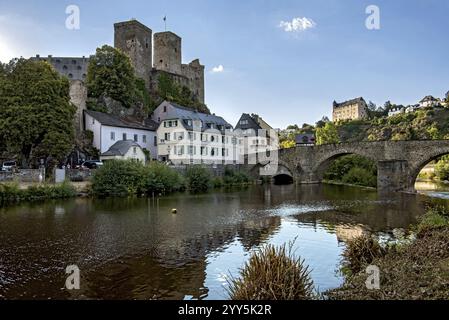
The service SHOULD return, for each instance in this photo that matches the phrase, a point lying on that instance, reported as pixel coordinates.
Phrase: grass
(360, 252)
(272, 274)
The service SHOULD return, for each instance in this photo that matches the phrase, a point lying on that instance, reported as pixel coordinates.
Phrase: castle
(151, 56)
(137, 41)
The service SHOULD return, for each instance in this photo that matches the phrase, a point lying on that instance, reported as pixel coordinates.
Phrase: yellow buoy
(174, 211)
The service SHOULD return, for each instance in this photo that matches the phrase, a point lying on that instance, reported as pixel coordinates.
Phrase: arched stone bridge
(398, 162)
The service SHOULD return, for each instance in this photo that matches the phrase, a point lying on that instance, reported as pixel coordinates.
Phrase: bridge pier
(393, 176)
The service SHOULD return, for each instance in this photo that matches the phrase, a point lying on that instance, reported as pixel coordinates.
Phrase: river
(137, 249)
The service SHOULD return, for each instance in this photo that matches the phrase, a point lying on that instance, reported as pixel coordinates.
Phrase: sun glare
(6, 52)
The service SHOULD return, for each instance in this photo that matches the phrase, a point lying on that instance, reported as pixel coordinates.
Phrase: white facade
(104, 136)
(395, 111)
(182, 146)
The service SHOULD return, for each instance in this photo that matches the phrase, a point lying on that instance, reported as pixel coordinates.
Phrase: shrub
(360, 252)
(353, 169)
(218, 182)
(118, 178)
(11, 193)
(232, 177)
(159, 178)
(124, 178)
(360, 176)
(272, 274)
(199, 179)
(442, 169)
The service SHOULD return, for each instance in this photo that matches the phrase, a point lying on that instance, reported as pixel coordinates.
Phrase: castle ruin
(136, 40)
(161, 53)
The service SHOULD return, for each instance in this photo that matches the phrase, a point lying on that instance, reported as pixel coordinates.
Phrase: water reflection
(136, 249)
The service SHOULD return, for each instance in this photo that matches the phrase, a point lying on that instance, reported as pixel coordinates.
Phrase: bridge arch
(326, 161)
(283, 175)
(419, 164)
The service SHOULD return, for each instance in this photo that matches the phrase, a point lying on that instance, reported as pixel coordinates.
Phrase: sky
(282, 59)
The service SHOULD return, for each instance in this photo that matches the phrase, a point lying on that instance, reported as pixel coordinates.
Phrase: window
(144, 138)
(113, 136)
(93, 121)
(136, 138)
(244, 122)
(165, 108)
(167, 136)
(124, 136)
(134, 150)
(155, 141)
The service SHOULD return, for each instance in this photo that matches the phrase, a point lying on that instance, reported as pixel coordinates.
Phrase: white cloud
(218, 69)
(297, 24)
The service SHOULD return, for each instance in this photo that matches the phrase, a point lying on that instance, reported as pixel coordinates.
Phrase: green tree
(327, 134)
(37, 116)
(169, 90)
(111, 74)
(198, 179)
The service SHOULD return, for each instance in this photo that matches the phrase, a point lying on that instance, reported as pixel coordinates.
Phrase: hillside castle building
(354, 109)
(150, 56)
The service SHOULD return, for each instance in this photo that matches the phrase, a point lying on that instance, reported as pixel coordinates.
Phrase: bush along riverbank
(413, 269)
(352, 170)
(11, 193)
(126, 178)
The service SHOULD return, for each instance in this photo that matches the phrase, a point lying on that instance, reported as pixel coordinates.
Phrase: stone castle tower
(167, 52)
(135, 39)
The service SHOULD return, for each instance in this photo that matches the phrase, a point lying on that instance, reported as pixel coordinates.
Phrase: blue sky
(288, 76)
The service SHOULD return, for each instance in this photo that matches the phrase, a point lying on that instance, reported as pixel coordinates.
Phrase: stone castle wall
(78, 96)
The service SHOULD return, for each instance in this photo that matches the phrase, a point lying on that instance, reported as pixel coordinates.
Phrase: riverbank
(340, 183)
(413, 271)
(13, 193)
